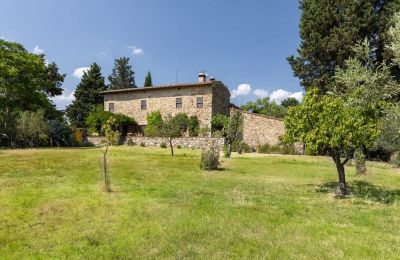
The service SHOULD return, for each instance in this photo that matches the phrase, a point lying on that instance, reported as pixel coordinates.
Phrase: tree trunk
(172, 148)
(107, 186)
(341, 189)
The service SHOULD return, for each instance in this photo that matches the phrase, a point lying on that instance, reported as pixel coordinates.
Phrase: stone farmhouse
(204, 99)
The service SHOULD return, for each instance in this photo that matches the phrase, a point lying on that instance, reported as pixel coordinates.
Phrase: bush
(194, 126)
(142, 144)
(179, 146)
(277, 149)
(163, 145)
(204, 131)
(210, 159)
(359, 161)
(154, 122)
(219, 123)
(240, 147)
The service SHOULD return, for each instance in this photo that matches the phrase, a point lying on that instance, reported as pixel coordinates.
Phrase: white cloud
(38, 50)
(63, 100)
(241, 90)
(135, 50)
(280, 94)
(260, 93)
(2, 37)
(78, 72)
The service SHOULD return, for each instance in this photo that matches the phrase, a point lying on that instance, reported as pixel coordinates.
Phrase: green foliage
(148, 81)
(27, 83)
(360, 158)
(98, 117)
(182, 120)
(289, 102)
(111, 135)
(393, 44)
(194, 126)
(277, 149)
(240, 147)
(58, 133)
(163, 145)
(31, 125)
(209, 160)
(233, 132)
(154, 122)
(219, 123)
(87, 96)
(142, 144)
(389, 138)
(265, 107)
(171, 128)
(122, 75)
(204, 131)
(330, 29)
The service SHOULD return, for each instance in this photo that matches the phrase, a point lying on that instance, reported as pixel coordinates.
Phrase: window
(111, 107)
(178, 102)
(199, 102)
(143, 104)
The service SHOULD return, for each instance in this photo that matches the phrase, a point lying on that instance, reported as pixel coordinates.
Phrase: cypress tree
(122, 75)
(329, 30)
(87, 96)
(147, 81)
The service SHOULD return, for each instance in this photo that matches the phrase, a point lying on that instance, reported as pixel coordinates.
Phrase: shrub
(142, 144)
(209, 160)
(359, 162)
(194, 126)
(182, 121)
(219, 123)
(240, 147)
(179, 146)
(277, 149)
(163, 145)
(204, 131)
(154, 122)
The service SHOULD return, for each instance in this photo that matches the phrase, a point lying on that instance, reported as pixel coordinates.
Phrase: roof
(180, 85)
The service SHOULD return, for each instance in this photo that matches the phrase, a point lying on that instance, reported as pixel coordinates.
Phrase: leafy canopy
(122, 75)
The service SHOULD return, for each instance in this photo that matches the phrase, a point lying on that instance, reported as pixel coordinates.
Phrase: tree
(394, 38)
(194, 126)
(27, 83)
(289, 102)
(111, 138)
(58, 133)
(329, 30)
(265, 107)
(182, 120)
(87, 96)
(122, 75)
(98, 117)
(154, 122)
(31, 125)
(219, 123)
(233, 132)
(148, 82)
(170, 129)
(327, 123)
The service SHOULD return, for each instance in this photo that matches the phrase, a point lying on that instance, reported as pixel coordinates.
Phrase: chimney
(202, 77)
(212, 79)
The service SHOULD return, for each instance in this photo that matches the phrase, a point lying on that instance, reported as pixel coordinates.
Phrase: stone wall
(260, 129)
(187, 142)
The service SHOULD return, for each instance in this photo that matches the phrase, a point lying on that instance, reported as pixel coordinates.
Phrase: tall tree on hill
(122, 75)
(87, 96)
(329, 30)
(147, 81)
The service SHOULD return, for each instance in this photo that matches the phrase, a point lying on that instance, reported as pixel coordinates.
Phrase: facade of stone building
(260, 129)
(203, 99)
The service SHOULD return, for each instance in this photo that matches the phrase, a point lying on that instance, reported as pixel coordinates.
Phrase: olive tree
(326, 122)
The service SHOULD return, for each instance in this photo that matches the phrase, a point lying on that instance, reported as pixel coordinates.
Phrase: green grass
(258, 206)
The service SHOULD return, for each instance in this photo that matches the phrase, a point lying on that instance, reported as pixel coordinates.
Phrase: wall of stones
(187, 142)
(260, 129)
(164, 100)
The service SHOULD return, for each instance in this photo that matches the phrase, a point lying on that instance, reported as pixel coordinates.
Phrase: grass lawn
(258, 206)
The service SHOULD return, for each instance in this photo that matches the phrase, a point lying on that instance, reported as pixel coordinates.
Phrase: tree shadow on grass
(364, 190)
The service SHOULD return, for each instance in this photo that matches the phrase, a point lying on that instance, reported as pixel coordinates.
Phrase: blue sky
(243, 43)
